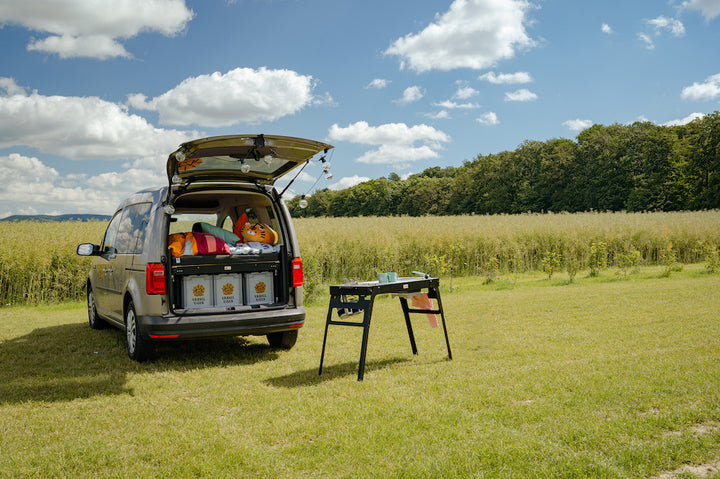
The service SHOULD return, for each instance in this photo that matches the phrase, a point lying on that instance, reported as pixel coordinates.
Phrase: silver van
(212, 253)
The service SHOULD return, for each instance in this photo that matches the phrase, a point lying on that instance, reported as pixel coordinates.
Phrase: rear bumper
(188, 326)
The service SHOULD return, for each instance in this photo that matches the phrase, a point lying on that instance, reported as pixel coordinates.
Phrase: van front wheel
(138, 348)
(93, 319)
(283, 340)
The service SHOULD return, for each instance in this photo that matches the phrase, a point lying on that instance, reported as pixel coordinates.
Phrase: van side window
(111, 232)
(131, 231)
(252, 217)
(227, 224)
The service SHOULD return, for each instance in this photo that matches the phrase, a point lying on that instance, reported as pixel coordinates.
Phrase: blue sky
(95, 95)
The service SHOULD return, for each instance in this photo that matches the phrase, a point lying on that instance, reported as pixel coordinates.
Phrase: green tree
(702, 142)
(606, 170)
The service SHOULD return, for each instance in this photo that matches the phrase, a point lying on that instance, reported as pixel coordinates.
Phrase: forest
(636, 167)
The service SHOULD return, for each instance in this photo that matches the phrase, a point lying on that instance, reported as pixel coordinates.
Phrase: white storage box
(228, 290)
(259, 288)
(198, 291)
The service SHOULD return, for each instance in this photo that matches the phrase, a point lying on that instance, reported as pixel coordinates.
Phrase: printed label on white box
(228, 290)
(259, 288)
(198, 291)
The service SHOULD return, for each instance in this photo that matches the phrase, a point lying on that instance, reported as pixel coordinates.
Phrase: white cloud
(709, 8)
(324, 99)
(578, 124)
(307, 177)
(505, 78)
(471, 34)
(80, 127)
(672, 25)
(242, 95)
(441, 115)
(607, 29)
(451, 105)
(92, 46)
(348, 182)
(488, 119)
(686, 120)
(649, 44)
(389, 133)
(520, 95)
(11, 88)
(21, 169)
(81, 28)
(707, 91)
(30, 186)
(411, 94)
(378, 84)
(397, 143)
(398, 155)
(465, 92)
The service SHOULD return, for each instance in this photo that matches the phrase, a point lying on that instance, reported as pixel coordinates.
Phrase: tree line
(637, 167)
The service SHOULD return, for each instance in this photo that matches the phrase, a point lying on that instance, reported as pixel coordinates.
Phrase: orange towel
(422, 301)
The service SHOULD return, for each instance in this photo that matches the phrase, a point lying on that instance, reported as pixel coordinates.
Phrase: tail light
(155, 279)
(297, 273)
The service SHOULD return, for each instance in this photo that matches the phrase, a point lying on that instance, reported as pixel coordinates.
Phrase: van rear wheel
(138, 348)
(283, 339)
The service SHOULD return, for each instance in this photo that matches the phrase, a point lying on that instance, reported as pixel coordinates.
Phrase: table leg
(366, 332)
(436, 293)
(408, 323)
(327, 324)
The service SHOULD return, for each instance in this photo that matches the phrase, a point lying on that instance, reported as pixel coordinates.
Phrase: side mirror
(88, 249)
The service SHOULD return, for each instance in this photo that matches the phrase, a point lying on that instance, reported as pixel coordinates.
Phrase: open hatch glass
(250, 158)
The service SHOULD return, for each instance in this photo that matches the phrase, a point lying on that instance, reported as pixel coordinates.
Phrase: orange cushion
(176, 243)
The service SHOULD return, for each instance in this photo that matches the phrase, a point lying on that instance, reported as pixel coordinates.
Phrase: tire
(283, 339)
(138, 348)
(95, 321)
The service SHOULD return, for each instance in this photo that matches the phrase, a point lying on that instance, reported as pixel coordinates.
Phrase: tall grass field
(610, 376)
(38, 262)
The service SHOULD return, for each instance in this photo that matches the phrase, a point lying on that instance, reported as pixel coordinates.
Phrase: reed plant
(337, 249)
(38, 263)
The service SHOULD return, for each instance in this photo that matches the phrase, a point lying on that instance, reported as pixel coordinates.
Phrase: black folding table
(365, 293)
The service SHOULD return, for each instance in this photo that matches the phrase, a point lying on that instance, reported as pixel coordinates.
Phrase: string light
(303, 203)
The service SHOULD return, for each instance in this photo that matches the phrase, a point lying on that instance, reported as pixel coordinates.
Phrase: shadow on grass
(70, 361)
(310, 377)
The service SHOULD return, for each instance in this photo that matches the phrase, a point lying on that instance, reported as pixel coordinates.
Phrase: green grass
(602, 377)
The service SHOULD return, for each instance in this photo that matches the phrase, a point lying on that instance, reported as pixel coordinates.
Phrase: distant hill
(50, 218)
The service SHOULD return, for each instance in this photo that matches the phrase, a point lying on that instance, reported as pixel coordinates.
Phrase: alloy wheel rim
(131, 330)
(91, 307)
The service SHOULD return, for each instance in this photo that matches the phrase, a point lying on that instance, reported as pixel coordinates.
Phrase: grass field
(602, 377)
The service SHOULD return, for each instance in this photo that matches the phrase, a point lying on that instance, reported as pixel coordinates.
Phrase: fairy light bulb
(303, 202)
(245, 168)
